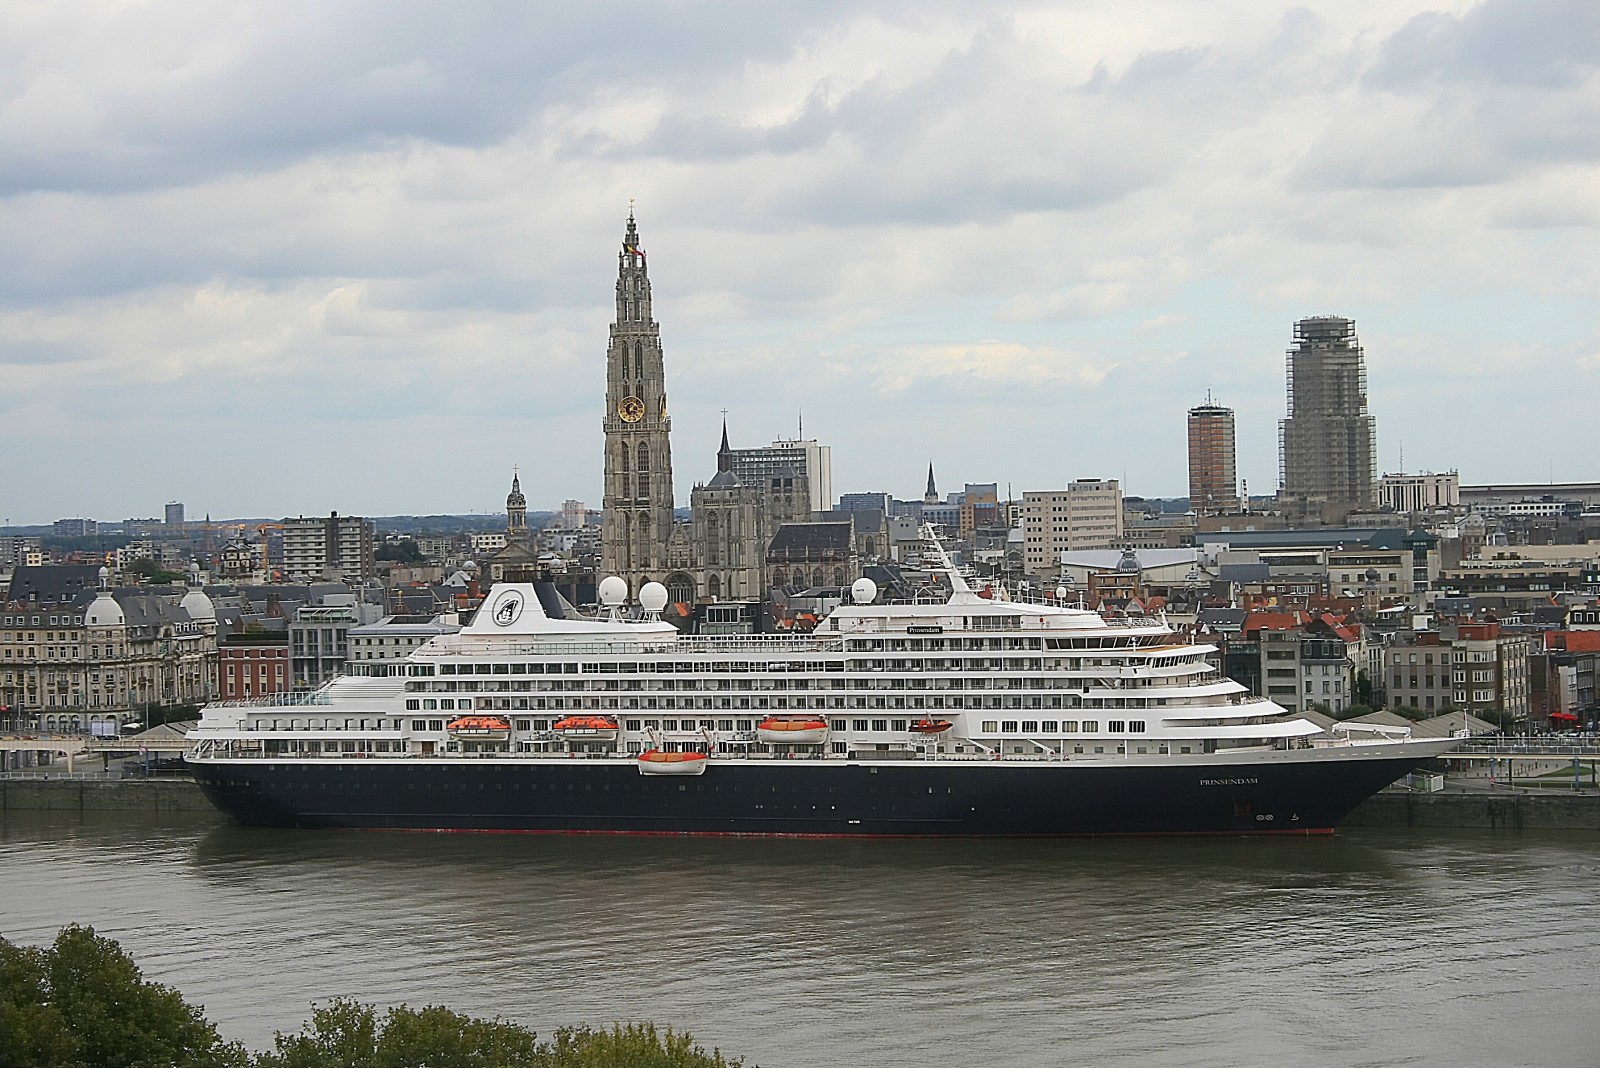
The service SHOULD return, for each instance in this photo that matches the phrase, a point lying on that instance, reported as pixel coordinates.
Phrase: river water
(1369, 948)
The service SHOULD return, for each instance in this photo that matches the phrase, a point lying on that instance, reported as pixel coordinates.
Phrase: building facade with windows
(101, 659)
(1420, 493)
(252, 665)
(1327, 444)
(331, 547)
(1085, 515)
(1213, 476)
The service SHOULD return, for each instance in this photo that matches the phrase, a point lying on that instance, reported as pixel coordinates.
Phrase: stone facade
(720, 553)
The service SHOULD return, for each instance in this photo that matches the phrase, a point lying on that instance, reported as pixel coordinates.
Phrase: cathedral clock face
(631, 409)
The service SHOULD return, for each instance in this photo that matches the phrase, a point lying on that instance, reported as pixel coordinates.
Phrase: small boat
(792, 730)
(931, 726)
(587, 728)
(660, 762)
(480, 728)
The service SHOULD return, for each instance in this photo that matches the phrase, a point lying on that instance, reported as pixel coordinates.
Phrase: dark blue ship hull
(1299, 794)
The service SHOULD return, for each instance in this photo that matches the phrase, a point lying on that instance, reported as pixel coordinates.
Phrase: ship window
(447, 669)
(1050, 726)
(1136, 726)
(991, 726)
(880, 725)
(413, 704)
(419, 725)
(1009, 726)
(1030, 726)
(502, 669)
(1116, 726)
(1091, 725)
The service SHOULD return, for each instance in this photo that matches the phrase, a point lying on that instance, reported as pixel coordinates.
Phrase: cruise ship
(954, 715)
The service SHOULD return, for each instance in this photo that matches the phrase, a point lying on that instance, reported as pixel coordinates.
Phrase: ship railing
(693, 643)
(275, 700)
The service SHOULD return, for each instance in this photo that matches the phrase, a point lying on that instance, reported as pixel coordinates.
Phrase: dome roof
(199, 606)
(104, 612)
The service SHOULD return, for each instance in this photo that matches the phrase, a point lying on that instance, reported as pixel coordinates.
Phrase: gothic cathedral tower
(637, 520)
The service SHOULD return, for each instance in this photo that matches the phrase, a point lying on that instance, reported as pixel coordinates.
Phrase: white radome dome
(863, 591)
(653, 597)
(613, 591)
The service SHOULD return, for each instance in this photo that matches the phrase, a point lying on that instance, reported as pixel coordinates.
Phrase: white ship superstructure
(1011, 679)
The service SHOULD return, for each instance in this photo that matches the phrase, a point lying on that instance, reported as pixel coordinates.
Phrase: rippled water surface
(1371, 948)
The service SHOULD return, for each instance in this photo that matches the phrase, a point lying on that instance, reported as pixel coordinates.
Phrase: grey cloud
(368, 76)
(1533, 43)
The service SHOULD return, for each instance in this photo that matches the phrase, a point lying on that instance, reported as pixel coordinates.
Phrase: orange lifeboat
(587, 728)
(793, 730)
(480, 728)
(660, 762)
(931, 726)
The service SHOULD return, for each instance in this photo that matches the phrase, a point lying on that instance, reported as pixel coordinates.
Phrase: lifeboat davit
(586, 728)
(792, 730)
(931, 726)
(660, 762)
(480, 728)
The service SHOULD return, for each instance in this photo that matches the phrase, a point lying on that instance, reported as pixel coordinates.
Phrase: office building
(336, 547)
(1419, 493)
(1213, 477)
(1085, 515)
(1327, 444)
(760, 465)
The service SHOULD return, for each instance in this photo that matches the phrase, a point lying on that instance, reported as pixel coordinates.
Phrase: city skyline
(292, 261)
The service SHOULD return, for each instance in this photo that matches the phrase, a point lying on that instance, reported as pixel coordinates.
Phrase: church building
(721, 552)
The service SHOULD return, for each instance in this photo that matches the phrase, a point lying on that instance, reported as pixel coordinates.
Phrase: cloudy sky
(283, 257)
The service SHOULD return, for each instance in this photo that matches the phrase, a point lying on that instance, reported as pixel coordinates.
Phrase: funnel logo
(507, 607)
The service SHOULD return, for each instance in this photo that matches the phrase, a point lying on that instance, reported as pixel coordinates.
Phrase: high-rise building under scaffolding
(1327, 446)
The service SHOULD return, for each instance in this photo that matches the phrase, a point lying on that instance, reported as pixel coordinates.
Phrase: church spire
(930, 495)
(637, 521)
(724, 454)
(516, 507)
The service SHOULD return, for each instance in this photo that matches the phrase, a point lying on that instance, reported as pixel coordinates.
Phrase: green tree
(1354, 711)
(1363, 688)
(153, 573)
(83, 1001)
(347, 1034)
(404, 551)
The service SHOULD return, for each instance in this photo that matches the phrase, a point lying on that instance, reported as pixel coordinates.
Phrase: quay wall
(110, 795)
(1542, 811)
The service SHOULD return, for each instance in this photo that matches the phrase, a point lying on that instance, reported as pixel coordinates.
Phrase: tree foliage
(404, 551)
(153, 573)
(83, 1001)
(348, 1034)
